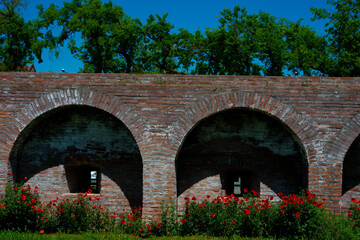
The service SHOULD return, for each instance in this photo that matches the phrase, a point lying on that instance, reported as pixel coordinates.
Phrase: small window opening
(235, 181)
(237, 186)
(93, 181)
(82, 178)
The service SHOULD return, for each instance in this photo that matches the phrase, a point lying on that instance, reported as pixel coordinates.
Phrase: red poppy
(297, 214)
(279, 194)
(183, 220)
(212, 214)
(282, 211)
(41, 231)
(193, 198)
(158, 226)
(232, 222)
(208, 196)
(73, 216)
(10, 174)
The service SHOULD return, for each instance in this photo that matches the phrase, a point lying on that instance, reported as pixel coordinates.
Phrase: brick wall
(160, 120)
(240, 142)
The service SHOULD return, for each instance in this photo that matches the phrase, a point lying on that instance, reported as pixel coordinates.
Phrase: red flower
(208, 196)
(41, 231)
(245, 190)
(297, 214)
(73, 216)
(10, 174)
(183, 220)
(282, 211)
(279, 194)
(193, 198)
(232, 222)
(25, 178)
(212, 214)
(89, 191)
(158, 226)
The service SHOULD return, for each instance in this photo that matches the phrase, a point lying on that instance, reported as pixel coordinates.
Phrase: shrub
(20, 208)
(299, 216)
(226, 216)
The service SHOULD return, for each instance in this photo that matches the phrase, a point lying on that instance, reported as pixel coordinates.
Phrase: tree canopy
(343, 36)
(107, 40)
(19, 40)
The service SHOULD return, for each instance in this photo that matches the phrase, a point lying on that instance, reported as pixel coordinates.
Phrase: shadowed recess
(351, 169)
(63, 146)
(241, 143)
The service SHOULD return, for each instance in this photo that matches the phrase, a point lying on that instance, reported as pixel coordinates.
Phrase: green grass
(10, 235)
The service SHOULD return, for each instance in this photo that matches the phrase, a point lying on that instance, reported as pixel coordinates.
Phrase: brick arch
(66, 97)
(344, 139)
(337, 153)
(302, 128)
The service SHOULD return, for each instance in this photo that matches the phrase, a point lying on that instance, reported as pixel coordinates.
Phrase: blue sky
(187, 14)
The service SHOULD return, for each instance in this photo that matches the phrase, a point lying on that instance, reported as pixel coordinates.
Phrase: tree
(343, 35)
(19, 40)
(164, 51)
(110, 38)
(307, 51)
(259, 44)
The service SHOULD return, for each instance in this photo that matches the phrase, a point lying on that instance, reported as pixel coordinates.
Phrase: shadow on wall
(64, 148)
(241, 147)
(351, 171)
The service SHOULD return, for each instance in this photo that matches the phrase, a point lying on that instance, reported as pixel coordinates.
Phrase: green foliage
(109, 38)
(258, 44)
(19, 209)
(78, 215)
(169, 225)
(164, 51)
(295, 217)
(343, 35)
(307, 51)
(19, 40)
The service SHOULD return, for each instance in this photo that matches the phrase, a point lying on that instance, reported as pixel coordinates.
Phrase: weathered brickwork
(152, 137)
(251, 143)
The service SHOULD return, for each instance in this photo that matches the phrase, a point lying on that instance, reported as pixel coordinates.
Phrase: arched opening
(74, 148)
(237, 149)
(351, 173)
